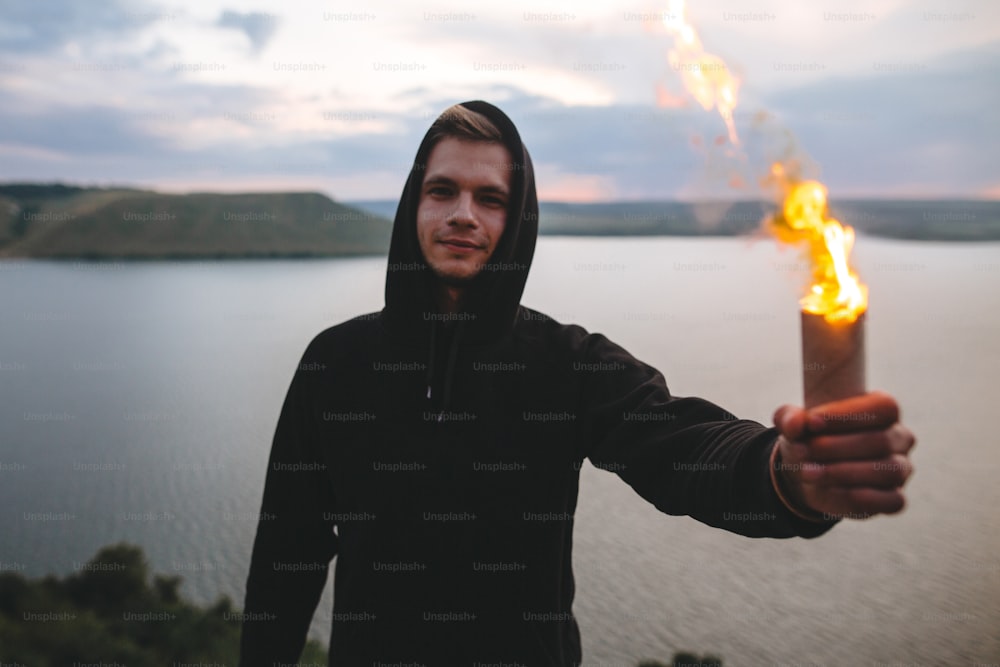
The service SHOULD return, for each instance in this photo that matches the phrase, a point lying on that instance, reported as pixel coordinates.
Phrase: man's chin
(457, 276)
(455, 280)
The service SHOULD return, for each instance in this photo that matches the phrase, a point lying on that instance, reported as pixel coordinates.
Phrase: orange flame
(804, 218)
(704, 75)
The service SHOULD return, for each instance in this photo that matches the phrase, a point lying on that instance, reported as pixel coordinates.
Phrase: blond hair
(462, 123)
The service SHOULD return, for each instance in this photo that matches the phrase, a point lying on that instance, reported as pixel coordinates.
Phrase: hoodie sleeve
(684, 455)
(295, 539)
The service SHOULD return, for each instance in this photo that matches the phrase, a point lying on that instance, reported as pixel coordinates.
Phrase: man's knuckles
(886, 473)
(854, 446)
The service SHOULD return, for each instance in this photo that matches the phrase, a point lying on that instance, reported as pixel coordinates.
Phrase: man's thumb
(791, 421)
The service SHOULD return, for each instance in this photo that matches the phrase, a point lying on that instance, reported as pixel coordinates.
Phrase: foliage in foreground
(112, 612)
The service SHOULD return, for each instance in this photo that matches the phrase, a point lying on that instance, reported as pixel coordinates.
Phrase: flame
(704, 75)
(803, 218)
(836, 292)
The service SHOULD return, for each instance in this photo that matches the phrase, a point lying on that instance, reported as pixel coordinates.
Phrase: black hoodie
(438, 456)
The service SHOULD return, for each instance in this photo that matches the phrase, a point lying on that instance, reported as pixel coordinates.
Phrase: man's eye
(439, 190)
(494, 201)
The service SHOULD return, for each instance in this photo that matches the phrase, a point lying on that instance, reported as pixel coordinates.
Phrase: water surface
(138, 401)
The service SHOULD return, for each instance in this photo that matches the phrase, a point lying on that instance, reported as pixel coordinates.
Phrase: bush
(112, 612)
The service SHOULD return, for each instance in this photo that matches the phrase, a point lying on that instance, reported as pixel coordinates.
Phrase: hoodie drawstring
(430, 362)
(449, 369)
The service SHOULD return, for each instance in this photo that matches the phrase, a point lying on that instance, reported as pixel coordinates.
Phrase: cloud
(553, 185)
(27, 26)
(927, 129)
(259, 27)
(78, 133)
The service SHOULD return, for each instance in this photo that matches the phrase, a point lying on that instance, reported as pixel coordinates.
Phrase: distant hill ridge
(64, 221)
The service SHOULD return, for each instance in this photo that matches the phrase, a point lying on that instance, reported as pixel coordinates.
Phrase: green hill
(669, 218)
(93, 223)
(62, 221)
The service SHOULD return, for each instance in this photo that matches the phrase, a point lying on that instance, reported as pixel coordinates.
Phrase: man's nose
(462, 215)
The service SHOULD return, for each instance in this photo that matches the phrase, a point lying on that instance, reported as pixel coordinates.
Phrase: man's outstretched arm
(688, 455)
(295, 539)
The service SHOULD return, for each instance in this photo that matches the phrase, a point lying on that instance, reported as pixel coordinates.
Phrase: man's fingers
(887, 473)
(867, 445)
(901, 439)
(873, 411)
(853, 446)
(848, 458)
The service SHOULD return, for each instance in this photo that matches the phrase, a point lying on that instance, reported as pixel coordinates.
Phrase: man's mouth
(460, 245)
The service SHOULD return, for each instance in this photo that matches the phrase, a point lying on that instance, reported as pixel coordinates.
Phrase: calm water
(137, 402)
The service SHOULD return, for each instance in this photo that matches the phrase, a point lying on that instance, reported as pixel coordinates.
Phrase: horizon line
(630, 200)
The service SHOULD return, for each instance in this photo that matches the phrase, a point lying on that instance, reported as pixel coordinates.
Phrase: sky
(879, 98)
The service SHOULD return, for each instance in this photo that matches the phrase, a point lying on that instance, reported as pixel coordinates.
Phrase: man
(434, 447)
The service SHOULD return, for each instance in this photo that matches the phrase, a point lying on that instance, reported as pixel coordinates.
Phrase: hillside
(60, 221)
(94, 223)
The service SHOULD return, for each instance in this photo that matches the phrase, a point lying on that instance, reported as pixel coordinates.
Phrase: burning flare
(833, 311)
(836, 292)
(704, 75)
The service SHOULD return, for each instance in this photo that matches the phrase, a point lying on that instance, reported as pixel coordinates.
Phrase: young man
(434, 447)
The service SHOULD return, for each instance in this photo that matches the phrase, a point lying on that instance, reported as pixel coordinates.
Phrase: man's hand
(846, 458)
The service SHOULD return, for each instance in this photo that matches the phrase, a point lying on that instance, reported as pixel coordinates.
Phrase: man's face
(463, 207)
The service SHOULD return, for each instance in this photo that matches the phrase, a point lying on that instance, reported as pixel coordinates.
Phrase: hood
(494, 294)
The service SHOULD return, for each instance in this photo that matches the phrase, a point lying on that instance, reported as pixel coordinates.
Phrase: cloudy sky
(887, 98)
